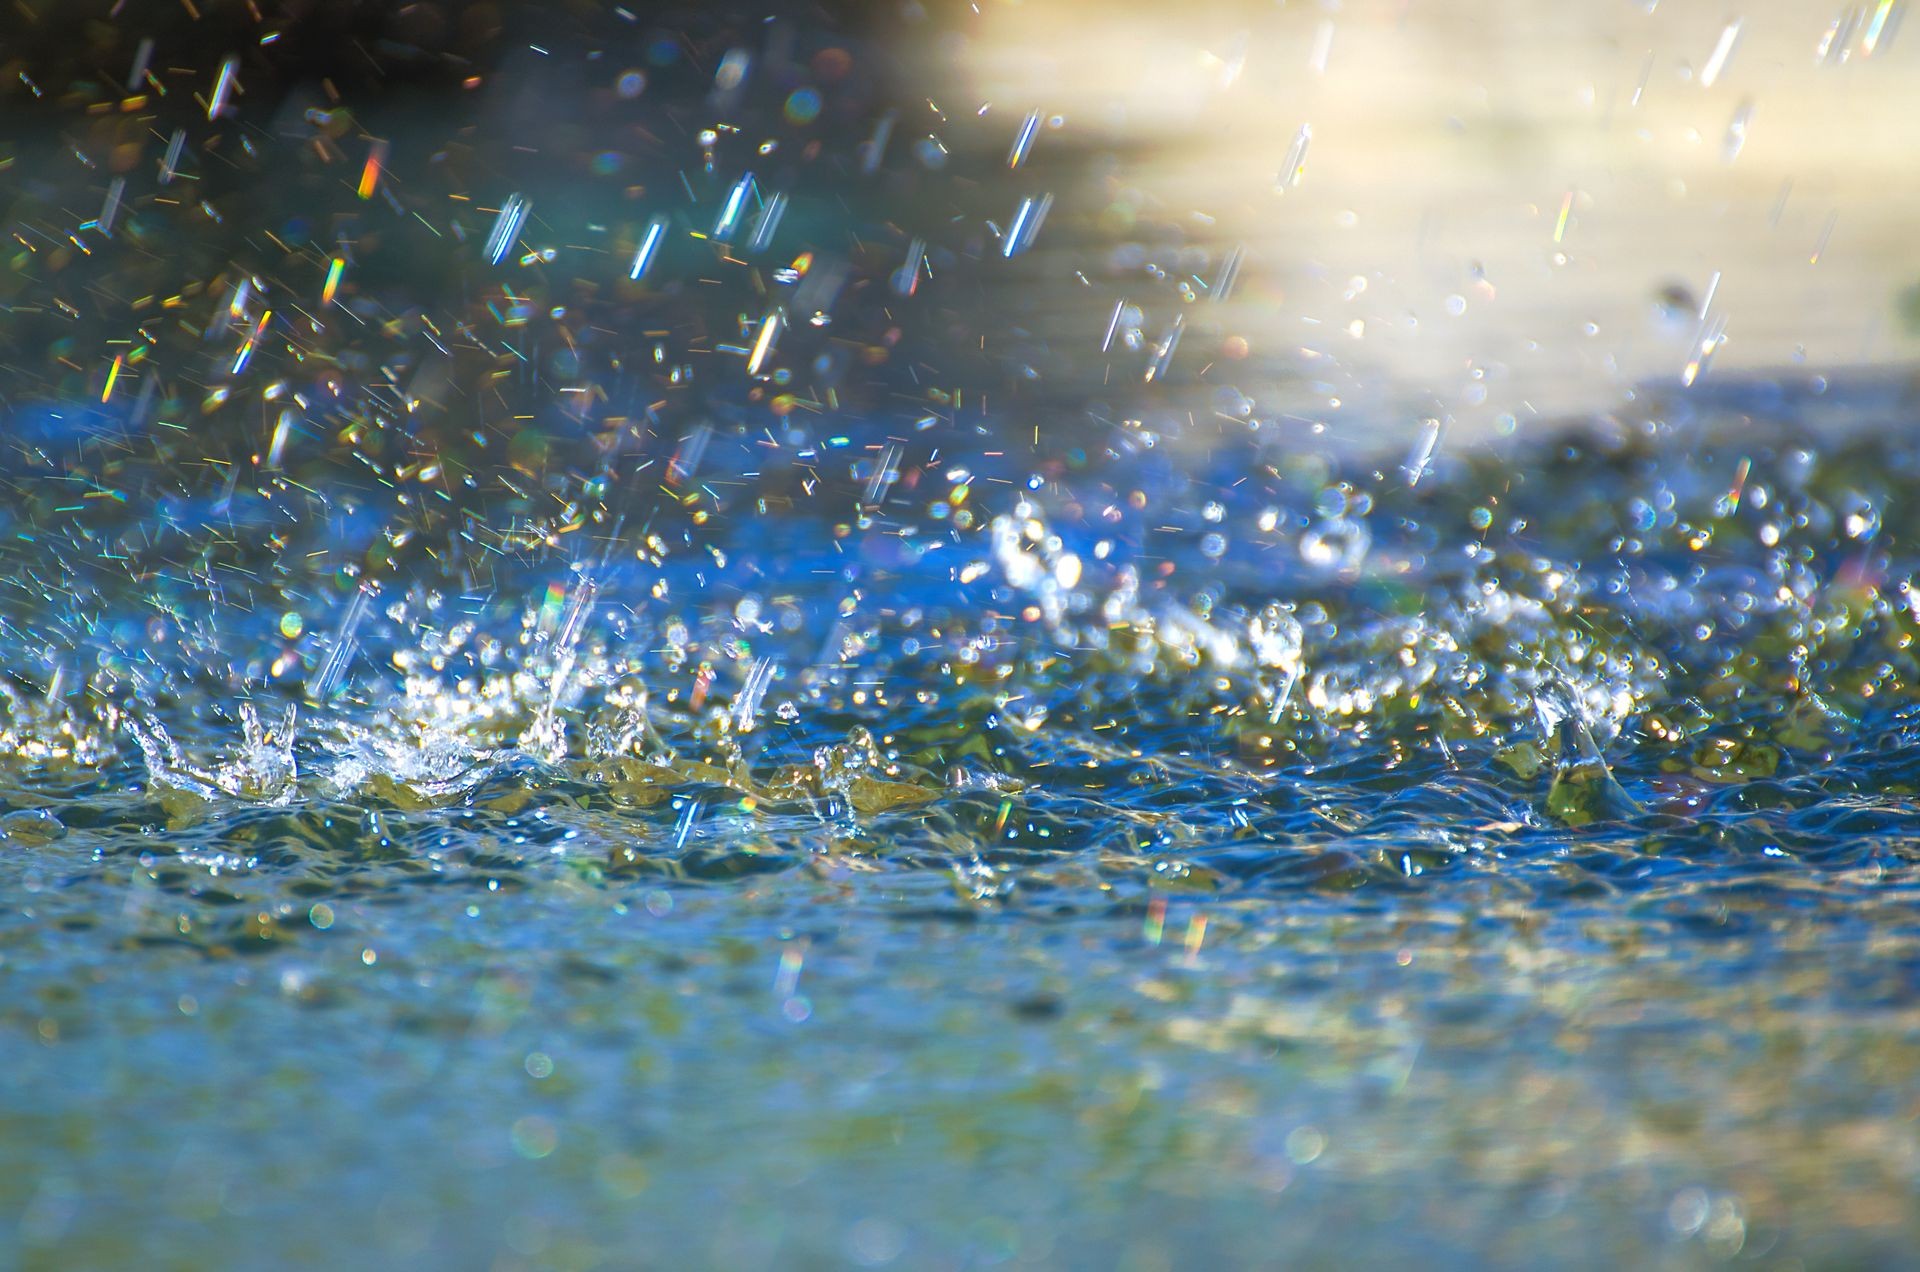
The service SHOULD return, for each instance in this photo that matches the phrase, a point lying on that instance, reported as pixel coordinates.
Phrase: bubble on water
(1336, 544)
(31, 826)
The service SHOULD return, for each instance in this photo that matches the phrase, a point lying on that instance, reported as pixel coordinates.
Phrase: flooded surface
(570, 706)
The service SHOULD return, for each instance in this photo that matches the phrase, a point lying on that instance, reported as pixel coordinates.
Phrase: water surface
(775, 763)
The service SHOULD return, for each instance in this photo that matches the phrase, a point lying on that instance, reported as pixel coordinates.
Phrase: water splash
(261, 770)
(1584, 789)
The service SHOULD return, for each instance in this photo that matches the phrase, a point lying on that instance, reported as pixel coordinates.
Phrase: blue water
(496, 771)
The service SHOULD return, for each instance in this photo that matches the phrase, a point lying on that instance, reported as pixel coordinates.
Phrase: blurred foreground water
(597, 676)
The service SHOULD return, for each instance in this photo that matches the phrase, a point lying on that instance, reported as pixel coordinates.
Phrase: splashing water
(262, 769)
(664, 691)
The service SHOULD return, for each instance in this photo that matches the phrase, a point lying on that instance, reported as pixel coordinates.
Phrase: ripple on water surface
(1477, 880)
(623, 686)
